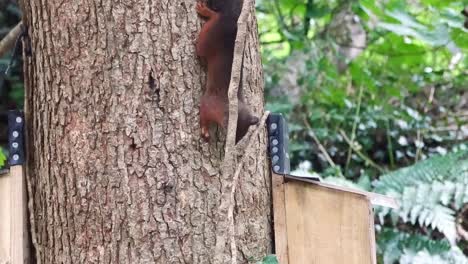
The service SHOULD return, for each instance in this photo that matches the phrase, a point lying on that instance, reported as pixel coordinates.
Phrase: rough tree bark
(117, 171)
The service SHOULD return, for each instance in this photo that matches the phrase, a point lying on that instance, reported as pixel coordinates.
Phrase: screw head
(15, 134)
(275, 158)
(19, 119)
(14, 144)
(275, 142)
(276, 168)
(273, 126)
(274, 149)
(16, 157)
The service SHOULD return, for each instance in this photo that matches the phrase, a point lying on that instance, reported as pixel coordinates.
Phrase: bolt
(275, 158)
(273, 126)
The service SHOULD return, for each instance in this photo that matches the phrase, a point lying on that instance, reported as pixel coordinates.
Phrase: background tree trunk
(117, 170)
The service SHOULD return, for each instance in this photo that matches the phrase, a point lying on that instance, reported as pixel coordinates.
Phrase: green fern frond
(451, 167)
(454, 256)
(397, 246)
(428, 192)
(427, 205)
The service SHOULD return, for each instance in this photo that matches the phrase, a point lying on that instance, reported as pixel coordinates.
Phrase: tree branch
(360, 154)
(307, 17)
(278, 41)
(235, 182)
(235, 75)
(9, 40)
(320, 146)
(229, 162)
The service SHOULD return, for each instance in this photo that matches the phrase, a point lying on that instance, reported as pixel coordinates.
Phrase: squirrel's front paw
(204, 10)
(205, 133)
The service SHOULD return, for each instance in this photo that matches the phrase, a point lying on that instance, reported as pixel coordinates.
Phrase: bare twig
(235, 181)
(390, 145)
(271, 42)
(307, 16)
(236, 74)
(281, 16)
(353, 131)
(460, 221)
(9, 40)
(419, 132)
(229, 162)
(362, 155)
(320, 146)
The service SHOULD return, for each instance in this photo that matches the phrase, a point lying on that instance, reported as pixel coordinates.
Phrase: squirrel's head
(244, 120)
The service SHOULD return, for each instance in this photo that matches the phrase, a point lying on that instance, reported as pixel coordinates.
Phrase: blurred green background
(376, 97)
(12, 91)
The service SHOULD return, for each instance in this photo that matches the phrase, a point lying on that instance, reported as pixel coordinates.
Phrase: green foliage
(394, 245)
(455, 256)
(401, 102)
(2, 157)
(270, 259)
(10, 15)
(407, 55)
(12, 92)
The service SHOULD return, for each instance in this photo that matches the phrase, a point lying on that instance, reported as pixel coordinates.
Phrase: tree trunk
(117, 171)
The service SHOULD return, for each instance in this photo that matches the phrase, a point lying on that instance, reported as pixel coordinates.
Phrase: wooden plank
(327, 226)
(18, 217)
(4, 218)
(375, 198)
(372, 234)
(279, 218)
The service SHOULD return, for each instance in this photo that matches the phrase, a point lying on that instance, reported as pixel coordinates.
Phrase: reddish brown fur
(215, 47)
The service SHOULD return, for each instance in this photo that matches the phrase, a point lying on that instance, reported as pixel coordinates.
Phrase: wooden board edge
(279, 218)
(374, 198)
(18, 217)
(372, 233)
(5, 218)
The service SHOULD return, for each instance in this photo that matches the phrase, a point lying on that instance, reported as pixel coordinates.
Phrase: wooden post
(327, 226)
(372, 234)
(5, 218)
(18, 217)
(279, 218)
(317, 222)
(14, 240)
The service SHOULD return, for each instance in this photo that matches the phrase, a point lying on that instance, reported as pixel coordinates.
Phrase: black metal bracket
(278, 143)
(15, 137)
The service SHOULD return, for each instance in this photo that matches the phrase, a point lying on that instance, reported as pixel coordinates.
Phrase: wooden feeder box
(320, 223)
(14, 246)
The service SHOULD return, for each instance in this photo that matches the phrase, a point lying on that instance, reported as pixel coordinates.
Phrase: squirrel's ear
(254, 120)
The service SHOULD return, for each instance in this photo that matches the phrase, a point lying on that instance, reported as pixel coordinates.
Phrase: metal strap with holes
(15, 137)
(278, 143)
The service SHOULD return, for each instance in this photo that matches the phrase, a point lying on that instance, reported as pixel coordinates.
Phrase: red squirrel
(215, 47)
